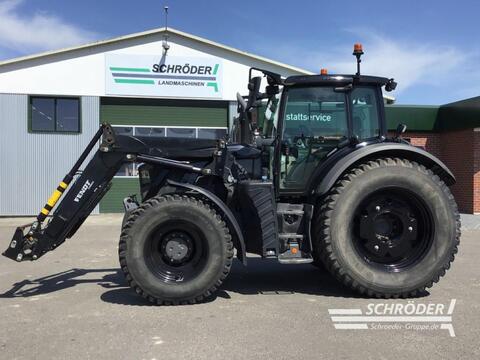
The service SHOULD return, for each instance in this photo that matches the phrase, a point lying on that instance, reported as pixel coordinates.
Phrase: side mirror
(272, 90)
(401, 128)
(390, 85)
(253, 90)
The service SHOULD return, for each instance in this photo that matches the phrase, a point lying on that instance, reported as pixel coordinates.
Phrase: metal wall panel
(32, 164)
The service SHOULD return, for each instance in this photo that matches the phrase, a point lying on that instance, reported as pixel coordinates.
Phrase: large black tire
(317, 261)
(339, 242)
(152, 272)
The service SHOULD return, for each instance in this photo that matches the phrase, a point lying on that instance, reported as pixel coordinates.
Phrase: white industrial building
(52, 103)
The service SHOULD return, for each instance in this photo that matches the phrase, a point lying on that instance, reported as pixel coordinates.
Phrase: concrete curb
(470, 222)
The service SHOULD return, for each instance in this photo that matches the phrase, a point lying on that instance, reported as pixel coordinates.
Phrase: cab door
(315, 121)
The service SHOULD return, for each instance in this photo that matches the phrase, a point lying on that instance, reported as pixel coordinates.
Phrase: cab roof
(335, 80)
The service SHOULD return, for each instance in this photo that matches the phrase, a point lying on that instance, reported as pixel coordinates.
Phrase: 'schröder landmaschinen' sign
(172, 76)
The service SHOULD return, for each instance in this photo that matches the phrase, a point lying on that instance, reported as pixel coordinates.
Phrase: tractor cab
(320, 116)
(309, 118)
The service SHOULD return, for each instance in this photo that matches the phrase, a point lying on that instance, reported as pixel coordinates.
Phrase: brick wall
(458, 154)
(429, 141)
(476, 171)
(460, 151)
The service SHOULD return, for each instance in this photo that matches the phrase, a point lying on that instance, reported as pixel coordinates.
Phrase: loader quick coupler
(21, 246)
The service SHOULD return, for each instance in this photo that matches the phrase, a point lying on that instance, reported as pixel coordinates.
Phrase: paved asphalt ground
(74, 304)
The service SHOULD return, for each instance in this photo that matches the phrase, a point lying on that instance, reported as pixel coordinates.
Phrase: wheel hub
(387, 225)
(177, 248)
(389, 229)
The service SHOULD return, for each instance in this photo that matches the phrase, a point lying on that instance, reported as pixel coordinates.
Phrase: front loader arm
(87, 191)
(84, 194)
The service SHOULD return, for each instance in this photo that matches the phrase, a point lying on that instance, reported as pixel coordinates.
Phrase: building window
(206, 133)
(182, 132)
(123, 130)
(150, 131)
(131, 169)
(50, 114)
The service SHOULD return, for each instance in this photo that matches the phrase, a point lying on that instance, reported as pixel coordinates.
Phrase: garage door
(153, 117)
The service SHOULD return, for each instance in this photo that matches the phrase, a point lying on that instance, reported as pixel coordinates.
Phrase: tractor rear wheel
(175, 249)
(388, 228)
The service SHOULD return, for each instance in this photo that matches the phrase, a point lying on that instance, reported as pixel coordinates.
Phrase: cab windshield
(316, 121)
(315, 112)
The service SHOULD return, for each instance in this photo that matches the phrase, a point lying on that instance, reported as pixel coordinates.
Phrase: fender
(363, 152)
(232, 221)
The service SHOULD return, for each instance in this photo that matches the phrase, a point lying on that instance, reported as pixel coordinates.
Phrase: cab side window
(365, 112)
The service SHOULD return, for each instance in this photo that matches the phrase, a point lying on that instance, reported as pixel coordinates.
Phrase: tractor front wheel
(175, 249)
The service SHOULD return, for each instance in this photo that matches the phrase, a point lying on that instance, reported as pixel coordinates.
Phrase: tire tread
(139, 212)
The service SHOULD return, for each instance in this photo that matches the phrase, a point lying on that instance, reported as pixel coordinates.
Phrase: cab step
(294, 253)
(295, 260)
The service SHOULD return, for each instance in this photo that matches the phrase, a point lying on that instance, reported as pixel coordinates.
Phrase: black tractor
(308, 174)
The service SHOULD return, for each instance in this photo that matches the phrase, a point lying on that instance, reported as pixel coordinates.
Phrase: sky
(431, 48)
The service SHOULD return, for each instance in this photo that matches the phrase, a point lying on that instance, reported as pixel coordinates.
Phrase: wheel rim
(176, 251)
(393, 229)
